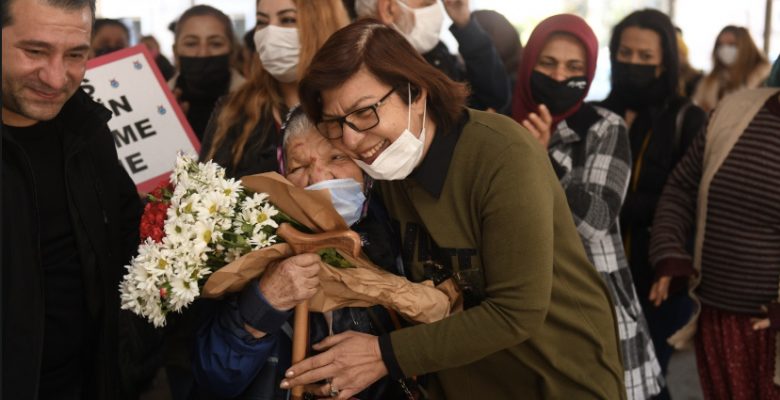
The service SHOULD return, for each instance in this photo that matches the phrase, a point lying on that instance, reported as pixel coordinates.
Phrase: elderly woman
(244, 347)
(589, 149)
(476, 201)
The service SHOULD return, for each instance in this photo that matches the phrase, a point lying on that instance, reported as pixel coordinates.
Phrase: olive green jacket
(541, 325)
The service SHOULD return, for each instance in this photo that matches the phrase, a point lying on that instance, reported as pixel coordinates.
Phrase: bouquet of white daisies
(207, 222)
(206, 236)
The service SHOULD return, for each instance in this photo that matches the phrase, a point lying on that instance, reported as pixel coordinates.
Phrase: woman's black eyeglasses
(359, 120)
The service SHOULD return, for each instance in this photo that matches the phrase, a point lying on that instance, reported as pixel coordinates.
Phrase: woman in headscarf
(589, 150)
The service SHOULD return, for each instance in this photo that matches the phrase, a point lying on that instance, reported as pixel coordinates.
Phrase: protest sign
(147, 125)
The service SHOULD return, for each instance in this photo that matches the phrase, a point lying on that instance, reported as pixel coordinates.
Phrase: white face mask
(427, 26)
(727, 54)
(278, 49)
(346, 195)
(402, 156)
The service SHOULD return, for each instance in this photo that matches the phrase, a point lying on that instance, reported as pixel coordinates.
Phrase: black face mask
(636, 85)
(203, 78)
(559, 97)
(101, 51)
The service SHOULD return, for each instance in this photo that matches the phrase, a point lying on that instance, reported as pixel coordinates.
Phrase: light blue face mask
(347, 197)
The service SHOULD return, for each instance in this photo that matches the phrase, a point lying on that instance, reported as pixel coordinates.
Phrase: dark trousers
(663, 320)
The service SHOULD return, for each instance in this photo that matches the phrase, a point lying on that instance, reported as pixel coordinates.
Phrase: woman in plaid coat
(589, 149)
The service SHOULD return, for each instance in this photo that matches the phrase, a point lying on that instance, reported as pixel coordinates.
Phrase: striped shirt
(741, 250)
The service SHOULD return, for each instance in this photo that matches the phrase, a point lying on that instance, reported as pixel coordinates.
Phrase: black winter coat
(105, 211)
(480, 66)
(260, 150)
(659, 137)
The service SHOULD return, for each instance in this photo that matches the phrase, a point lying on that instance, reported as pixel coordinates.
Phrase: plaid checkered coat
(590, 152)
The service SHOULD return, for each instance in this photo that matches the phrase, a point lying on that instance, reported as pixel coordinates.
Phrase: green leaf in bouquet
(281, 217)
(331, 257)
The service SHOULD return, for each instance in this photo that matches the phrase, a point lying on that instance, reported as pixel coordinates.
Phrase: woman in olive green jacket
(474, 199)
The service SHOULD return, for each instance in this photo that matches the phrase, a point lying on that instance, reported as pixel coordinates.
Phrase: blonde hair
(749, 58)
(261, 94)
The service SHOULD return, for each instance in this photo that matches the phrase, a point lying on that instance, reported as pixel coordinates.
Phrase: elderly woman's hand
(291, 281)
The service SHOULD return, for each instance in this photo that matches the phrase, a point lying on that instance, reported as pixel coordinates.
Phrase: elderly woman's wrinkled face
(311, 159)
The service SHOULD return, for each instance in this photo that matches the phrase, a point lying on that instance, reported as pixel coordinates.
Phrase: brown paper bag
(361, 286)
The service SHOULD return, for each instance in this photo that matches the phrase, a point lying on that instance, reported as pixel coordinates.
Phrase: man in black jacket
(420, 22)
(70, 212)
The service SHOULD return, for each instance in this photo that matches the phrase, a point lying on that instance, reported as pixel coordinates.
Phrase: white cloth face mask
(402, 156)
(727, 54)
(427, 26)
(279, 50)
(346, 195)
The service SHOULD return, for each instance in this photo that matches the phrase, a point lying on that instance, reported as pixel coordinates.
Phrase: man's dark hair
(70, 5)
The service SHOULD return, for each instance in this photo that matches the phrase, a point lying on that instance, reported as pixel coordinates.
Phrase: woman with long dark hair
(661, 125)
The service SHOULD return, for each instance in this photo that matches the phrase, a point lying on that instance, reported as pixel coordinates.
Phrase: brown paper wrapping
(362, 286)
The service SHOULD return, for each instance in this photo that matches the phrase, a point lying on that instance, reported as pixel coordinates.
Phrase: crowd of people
(587, 240)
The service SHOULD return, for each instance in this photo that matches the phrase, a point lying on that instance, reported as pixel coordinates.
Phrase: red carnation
(153, 219)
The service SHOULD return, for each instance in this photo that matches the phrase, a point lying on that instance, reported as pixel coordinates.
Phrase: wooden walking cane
(347, 241)
(300, 342)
